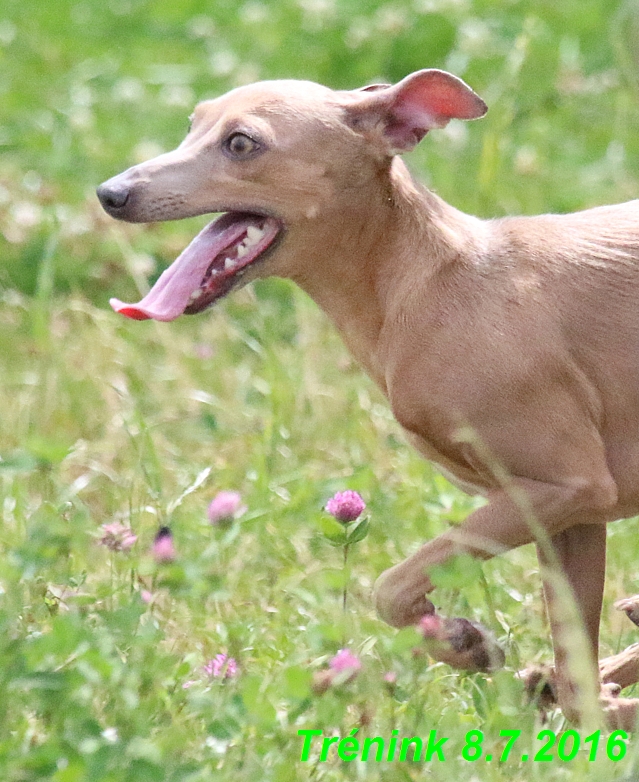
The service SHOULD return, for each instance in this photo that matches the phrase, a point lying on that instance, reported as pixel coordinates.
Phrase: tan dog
(508, 349)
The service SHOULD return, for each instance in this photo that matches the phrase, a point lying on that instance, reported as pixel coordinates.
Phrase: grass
(103, 419)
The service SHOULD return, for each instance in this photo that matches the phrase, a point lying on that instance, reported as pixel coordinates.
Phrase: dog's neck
(363, 269)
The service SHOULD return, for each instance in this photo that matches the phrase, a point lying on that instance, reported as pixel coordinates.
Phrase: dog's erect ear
(406, 111)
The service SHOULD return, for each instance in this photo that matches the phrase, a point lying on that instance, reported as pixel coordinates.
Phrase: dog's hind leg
(580, 551)
(580, 554)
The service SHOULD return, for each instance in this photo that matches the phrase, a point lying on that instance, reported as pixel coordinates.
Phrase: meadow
(109, 654)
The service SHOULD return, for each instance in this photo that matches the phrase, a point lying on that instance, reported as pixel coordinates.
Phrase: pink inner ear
(404, 113)
(429, 99)
(439, 94)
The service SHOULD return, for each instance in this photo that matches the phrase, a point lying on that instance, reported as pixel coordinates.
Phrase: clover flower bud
(346, 506)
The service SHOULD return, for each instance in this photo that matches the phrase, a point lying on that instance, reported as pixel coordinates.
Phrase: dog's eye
(241, 146)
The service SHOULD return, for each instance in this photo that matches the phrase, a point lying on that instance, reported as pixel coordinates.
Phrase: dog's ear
(406, 111)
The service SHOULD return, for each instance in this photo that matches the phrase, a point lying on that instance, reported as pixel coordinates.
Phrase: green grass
(104, 419)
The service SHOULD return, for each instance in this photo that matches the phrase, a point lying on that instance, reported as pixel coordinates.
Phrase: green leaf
(48, 450)
(333, 531)
(18, 462)
(75, 772)
(171, 575)
(357, 530)
(224, 728)
(297, 682)
(256, 701)
(335, 579)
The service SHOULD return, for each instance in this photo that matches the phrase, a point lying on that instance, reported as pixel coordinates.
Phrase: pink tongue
(169, 297)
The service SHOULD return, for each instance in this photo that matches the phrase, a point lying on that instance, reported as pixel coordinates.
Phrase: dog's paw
(630, 605)
(620, 713)
(539, 685)
(461, 643)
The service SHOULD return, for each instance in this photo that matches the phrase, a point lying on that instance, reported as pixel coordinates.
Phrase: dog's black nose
(113, 197)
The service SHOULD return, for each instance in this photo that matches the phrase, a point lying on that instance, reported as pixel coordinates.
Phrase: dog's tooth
(242, 250)
(253, 235)
(229, 263)
(195, 295)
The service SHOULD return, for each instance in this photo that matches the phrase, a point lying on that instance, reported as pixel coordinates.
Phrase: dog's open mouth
(208, 268)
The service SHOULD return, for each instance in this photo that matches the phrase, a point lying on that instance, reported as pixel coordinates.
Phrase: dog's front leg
(400, 592)
(515, 515)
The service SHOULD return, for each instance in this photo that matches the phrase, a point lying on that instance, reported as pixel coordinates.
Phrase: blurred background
(88, 88)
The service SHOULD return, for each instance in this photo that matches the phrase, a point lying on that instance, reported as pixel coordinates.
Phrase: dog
(508, 349)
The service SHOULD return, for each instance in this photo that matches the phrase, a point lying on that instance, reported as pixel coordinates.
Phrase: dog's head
(277, 158)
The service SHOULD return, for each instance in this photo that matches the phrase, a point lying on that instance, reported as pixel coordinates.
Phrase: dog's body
(508, 349)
